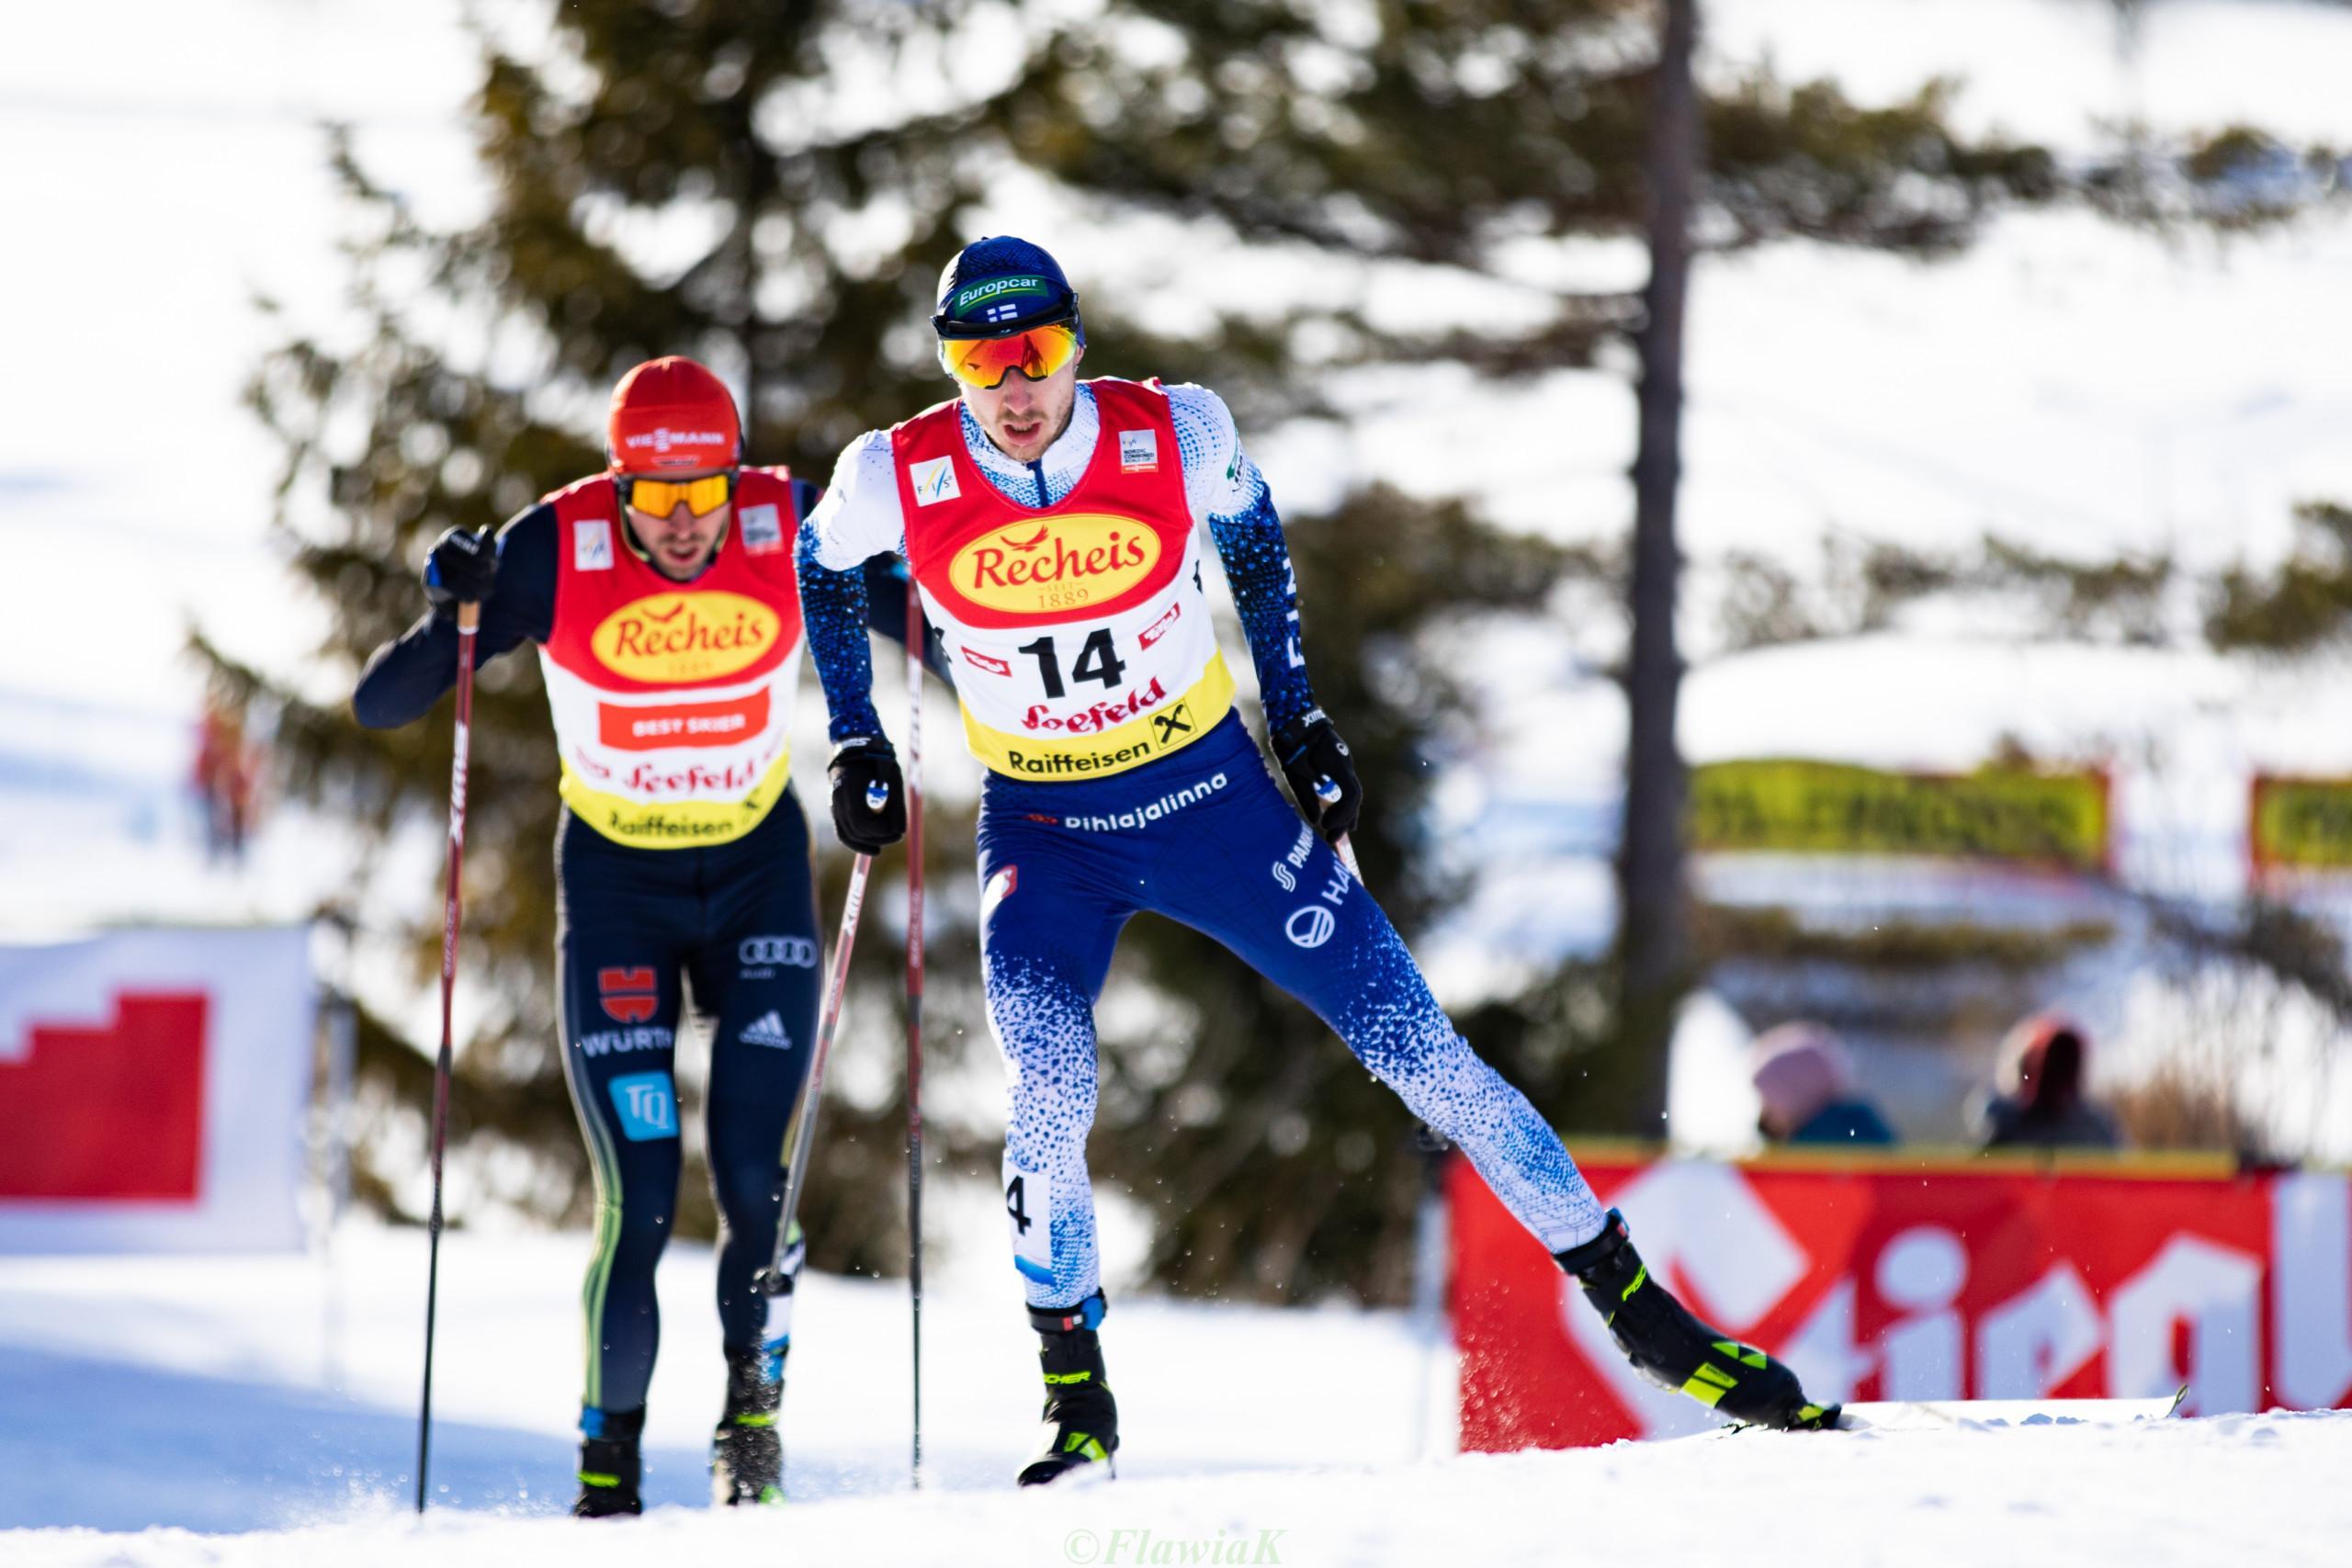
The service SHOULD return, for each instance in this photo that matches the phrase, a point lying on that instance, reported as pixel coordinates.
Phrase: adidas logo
(767, 1030)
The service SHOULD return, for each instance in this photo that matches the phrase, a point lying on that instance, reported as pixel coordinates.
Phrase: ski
(1968, 1415)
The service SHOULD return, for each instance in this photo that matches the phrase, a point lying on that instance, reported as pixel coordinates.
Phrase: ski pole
(469, 619)
(916, 639)
(772, 1281)
(1327, 790)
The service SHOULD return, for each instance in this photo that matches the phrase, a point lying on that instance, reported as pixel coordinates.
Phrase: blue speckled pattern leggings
(1207, 838)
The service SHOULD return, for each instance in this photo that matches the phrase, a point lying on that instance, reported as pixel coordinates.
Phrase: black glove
(1322, 779)
(869, 821)
(463, 569)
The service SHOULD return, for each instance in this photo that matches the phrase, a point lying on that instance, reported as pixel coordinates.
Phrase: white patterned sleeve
(1219, 479)
(859, 515)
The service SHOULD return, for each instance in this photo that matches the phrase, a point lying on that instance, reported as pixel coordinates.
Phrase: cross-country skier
(1054, 526)
(662, 597)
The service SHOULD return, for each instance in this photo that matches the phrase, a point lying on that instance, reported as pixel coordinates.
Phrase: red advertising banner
(144, 1065)
(1896, 1277)
(156, 1085)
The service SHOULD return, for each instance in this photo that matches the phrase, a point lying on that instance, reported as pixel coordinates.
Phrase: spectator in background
(226, 776)
(1805, 1080)
(2046, 1106)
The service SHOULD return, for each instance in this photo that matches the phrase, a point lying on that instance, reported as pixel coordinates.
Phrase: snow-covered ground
(156, 1413)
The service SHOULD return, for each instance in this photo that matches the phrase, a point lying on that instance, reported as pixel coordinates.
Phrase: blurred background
(1881, 614)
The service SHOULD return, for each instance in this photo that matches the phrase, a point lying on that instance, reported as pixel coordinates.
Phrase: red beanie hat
(671, 413)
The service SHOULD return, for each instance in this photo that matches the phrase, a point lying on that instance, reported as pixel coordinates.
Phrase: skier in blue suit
(1055, 528)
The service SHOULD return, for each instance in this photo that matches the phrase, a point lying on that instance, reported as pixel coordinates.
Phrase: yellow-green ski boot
(747, 1451)
(1678, 1352)
(1081, 1418)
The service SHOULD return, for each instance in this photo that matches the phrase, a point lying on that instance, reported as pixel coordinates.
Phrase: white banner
(152, 1091)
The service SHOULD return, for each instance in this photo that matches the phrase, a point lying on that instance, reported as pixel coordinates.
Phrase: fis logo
(648, 1106)
(591, 545)
(629, 995)
(767, 1030)
(933, 481)
(1138, 451)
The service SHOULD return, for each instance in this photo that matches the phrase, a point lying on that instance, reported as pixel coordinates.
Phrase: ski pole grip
(877, 795)
(468, 616)
(1327, 790)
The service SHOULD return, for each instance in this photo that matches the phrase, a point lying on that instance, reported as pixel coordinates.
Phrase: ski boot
(609, 1466)
(747, 1451)
(1081, 1418)
(1675, 1350)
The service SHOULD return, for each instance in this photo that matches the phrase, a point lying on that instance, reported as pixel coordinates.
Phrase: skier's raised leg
(1260, 880)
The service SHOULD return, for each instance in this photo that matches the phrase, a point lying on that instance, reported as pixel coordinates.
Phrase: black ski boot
(747, 1451)
(1081, 1418)
(609, 1466)
(1678, 1352)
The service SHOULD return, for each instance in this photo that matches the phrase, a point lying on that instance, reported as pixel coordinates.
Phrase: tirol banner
(1903, 1278)
(2303, 824)
(1829, 808)
(155, 1085)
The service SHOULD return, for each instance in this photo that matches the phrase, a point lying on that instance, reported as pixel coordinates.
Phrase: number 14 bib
(1080, 632)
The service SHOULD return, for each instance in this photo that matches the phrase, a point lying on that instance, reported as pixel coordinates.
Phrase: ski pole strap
(1088, 1314)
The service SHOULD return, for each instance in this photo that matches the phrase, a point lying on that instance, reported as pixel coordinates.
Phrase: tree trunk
(1652, 948)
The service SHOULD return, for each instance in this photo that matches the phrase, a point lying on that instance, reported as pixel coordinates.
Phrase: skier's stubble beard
(1021, 417)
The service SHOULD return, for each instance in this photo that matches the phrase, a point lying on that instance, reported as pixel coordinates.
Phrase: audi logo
(793, 952)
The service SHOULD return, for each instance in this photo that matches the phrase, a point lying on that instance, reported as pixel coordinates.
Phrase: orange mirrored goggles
(659, 498)
(987, 361)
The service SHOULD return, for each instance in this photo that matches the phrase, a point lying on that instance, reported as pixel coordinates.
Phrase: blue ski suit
(1188, 820)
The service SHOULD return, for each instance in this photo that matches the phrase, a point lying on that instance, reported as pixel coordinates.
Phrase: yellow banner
(2302, 822)
(1827, 808)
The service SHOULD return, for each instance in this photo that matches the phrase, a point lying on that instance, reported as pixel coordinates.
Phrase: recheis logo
(685, 636)
(1056, 563)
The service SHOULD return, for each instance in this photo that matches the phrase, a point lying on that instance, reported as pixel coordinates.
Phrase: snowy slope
(149, 1400)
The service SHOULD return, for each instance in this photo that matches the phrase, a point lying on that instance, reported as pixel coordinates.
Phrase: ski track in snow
(175, 1413)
